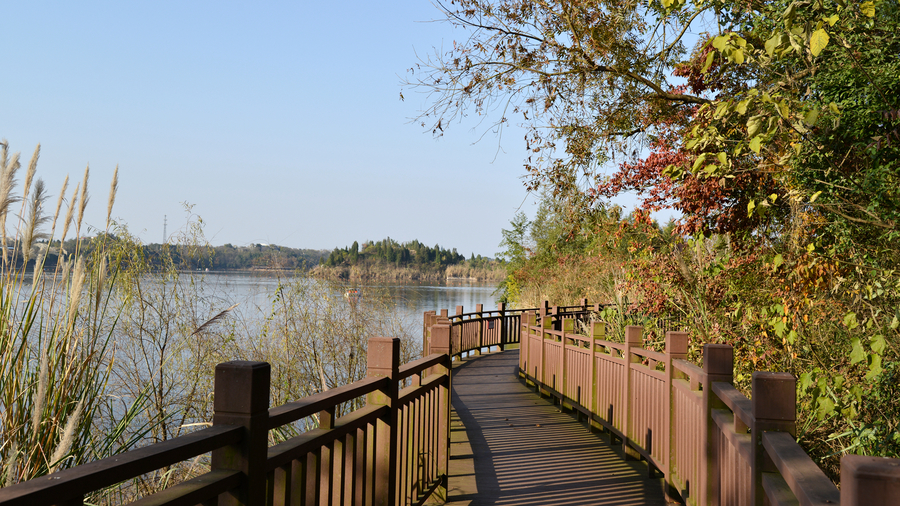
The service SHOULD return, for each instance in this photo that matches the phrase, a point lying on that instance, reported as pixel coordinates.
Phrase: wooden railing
(713, 445)
(391, 451)
(474, 332)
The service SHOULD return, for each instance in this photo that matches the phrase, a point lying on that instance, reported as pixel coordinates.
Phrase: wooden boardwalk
(511, 447)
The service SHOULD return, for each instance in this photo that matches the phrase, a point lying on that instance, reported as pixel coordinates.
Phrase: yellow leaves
(754, 124)
(832, 19)
(755, 143)
(784, 109)
(811, 117)
(818, 41)
(709, 60)
(868, 9)
(730, 45)
(814, 197)
(773, 43)
(834, 108)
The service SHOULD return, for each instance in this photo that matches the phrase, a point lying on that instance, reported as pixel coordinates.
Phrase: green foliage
(388, 259)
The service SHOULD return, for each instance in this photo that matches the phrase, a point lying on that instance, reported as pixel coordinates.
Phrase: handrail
(417, 366)
(674, 418)
(734, 400)
(690, 423)
(799, 472)
(81, 480)
(308, 406)
(356, 458)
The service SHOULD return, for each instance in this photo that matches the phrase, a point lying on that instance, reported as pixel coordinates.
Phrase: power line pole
(164, 229)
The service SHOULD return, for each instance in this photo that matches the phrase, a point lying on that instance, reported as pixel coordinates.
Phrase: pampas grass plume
(59, 201)
(68, 437)
(75, 292)
(68, 220)
(43, 377)
(32, 168)
(113, 187)
(84, 199)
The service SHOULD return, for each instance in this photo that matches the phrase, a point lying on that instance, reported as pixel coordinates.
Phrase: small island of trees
(390, 260)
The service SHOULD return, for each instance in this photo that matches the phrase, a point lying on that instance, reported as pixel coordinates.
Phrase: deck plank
(511, 447)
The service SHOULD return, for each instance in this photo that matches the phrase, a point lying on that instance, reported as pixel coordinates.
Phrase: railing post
(632, 340)
(774, 408)
(242, 399)
(567, 326)
(441, 344)
(440, 338)
(676, 349)
(869, 481)
(428, 320)
(546, 324)
(526, 321)
(718, 365)
(459, 310)
(480, 328)
(384, 361)
(598, 331)
(503, 330)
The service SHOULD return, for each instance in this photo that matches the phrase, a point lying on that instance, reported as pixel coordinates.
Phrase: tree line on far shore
(201, 257)
(389, 259)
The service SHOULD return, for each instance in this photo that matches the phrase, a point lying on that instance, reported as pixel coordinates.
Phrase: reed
(54, 359)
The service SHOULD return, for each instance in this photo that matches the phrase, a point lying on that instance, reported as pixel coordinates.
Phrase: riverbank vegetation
(114, 345)
(261, 257)
(775, 139)
(388, 260)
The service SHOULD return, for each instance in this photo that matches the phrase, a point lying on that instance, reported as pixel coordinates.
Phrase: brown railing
(391, 451)
(713, 445)
(473, 332)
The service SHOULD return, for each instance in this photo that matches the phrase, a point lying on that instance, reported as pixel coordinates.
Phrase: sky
(275, 122)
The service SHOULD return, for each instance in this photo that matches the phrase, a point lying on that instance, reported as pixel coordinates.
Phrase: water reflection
(256, 291)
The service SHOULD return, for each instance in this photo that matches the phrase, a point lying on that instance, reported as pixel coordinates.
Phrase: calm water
(412, 299)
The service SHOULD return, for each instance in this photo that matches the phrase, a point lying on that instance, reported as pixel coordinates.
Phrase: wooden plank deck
(511, 447)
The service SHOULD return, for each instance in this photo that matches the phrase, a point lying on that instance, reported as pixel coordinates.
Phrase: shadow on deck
(509, 446)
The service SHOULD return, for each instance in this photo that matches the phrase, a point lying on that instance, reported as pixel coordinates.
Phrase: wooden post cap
(383, 357)
(242, 387)
(774, 396)
(718, 359)
(869, 481)
(633, 334)
(677, 343)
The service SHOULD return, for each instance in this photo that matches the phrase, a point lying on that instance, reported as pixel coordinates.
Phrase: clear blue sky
(279, 121)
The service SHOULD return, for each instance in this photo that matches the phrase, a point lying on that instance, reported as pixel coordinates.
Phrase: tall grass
(54, 355)
(102, 350)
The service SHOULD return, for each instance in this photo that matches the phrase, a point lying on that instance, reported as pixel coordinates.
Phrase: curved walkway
(511, 447)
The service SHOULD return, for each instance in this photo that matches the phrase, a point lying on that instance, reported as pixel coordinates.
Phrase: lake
(256, 290)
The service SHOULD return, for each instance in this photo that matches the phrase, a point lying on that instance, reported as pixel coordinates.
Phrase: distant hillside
(219, 258)
(388, 260)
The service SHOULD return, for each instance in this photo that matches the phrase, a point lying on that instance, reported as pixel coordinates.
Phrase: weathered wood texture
(512, 447)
